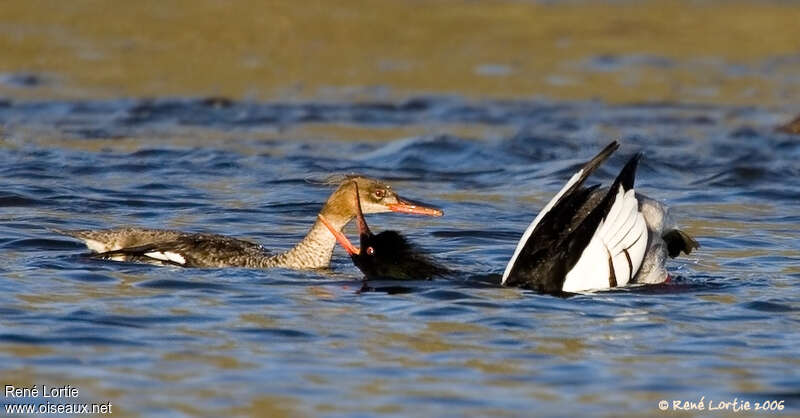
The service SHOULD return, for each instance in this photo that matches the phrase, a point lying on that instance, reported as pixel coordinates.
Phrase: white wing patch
(618, 244)
(166, 256)
(575, 177)
(96, 246)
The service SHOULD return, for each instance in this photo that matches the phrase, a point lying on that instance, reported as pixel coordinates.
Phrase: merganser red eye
(380, 193)
(398, 259)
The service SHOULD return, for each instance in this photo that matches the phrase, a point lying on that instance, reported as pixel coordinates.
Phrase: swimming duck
(160, 246)
(591, 238)
(387, 255)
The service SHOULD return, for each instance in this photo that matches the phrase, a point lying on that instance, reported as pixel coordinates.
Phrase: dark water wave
(325, 341)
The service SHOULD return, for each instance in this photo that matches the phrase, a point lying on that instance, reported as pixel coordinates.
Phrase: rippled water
(236, 341)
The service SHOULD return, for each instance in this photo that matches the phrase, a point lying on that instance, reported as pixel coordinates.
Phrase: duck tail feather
(679, 241)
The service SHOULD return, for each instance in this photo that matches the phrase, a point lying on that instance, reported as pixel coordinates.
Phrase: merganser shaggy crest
(587, 238)
(167, 247)
(387, 255)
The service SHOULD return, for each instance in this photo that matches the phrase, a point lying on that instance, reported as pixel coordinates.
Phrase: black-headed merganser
(160, 246)
(387, 255)
(588, 238)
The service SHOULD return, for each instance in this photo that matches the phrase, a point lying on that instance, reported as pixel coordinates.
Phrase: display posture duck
(387, 255)
(160, 246)
(591, 238)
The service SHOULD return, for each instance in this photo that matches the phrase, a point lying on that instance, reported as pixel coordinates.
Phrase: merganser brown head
(374, 197)
(386, 255)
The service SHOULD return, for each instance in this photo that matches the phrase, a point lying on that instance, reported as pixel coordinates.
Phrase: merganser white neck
(314, 251)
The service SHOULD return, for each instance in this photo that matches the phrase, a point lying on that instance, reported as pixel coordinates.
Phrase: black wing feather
(585, 231)
(553, 249)
(552, 228)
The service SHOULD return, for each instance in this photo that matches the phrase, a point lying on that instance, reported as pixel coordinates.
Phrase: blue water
(170, 341)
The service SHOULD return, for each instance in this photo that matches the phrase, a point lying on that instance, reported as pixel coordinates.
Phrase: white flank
(167, 256)
(538, 218)
(623, 229)
(96, 246)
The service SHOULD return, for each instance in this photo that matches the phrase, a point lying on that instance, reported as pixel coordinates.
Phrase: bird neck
(315, 249)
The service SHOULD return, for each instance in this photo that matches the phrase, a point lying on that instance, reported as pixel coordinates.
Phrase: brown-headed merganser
(791, 127)
(387, 255)
(587, 238)
(160, 246)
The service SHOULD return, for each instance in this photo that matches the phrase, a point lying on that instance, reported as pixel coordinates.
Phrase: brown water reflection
(699, 51)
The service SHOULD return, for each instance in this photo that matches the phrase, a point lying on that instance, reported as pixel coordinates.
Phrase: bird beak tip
(409, 206)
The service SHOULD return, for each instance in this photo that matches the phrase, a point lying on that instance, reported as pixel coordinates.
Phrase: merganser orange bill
(386, 255)
(410, 206)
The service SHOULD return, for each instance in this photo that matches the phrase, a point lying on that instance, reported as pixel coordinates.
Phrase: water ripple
(323, 339)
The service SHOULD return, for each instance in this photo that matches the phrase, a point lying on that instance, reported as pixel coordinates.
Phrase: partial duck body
(592, 238)
(387, 255)
(158, 246)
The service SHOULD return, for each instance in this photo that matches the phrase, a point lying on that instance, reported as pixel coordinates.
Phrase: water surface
(709, 51)
(170, 341)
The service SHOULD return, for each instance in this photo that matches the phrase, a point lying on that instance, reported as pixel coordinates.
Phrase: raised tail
(679, 242)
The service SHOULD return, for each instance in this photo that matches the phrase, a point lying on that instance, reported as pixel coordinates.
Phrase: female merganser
(387, 255)
(588, 238)
(160, 246)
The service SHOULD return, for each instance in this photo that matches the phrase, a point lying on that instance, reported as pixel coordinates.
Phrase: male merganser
(160, 246)
(587, 238)
(387, 255)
